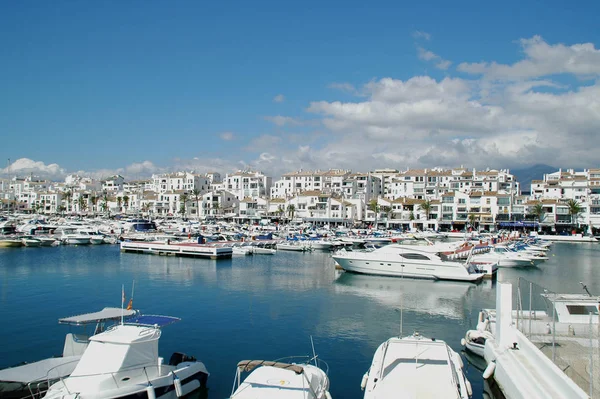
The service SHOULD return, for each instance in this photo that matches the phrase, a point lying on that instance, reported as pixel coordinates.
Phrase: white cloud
(281, 121)
(227, 136)
(344, 87)
(418, 34)
(542, 59)
(427, 55)
(279, 98)
(25, 166)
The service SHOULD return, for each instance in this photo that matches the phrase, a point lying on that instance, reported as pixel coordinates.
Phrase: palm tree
(81, 202)
(119, 202)
(472, 220)
(196, 195)
(387, 210)
(61, 209)
(291, 209)
(105, 207)
(94, 201)
(68, 196)
(183, 198)
(280, 210)
(425, 207)
(575, 210)
(374, 207)
(538, 211)
(126, 202)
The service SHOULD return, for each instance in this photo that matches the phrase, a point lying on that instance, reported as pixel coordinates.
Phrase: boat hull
(10, 243)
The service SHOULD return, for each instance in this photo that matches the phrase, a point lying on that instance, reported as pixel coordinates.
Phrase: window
(414, 256)
(582, 309)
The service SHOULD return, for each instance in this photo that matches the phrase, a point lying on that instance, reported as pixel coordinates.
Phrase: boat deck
(409, 368)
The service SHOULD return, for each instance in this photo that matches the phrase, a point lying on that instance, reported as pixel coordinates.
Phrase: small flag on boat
(130, 304)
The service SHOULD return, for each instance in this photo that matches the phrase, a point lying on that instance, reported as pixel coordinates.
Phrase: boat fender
(327, 395)
(469, 388)
(460, 361)
(363, 383)
(150, 391)
(489, 370)
(463, 342)
(177, 383)
(481, 317)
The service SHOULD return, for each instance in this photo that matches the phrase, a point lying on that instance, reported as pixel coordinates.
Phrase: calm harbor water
(263, 307)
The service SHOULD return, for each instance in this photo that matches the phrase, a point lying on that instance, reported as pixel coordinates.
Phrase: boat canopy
(153, 320)
(249, 365)
(105, 314)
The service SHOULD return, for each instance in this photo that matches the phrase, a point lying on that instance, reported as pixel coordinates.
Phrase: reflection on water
(254, 306)
(439, 298)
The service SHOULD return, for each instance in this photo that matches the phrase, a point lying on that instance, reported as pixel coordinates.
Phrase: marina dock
(177, 249)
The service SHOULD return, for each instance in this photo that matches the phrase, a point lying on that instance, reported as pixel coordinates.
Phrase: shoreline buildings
(449, 199)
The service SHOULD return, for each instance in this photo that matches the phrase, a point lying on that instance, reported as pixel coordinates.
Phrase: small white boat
(123, 362)
(294, 246)
(31, 242)
(280, 380)
(241, 250)
(415, 367)
(32, 379)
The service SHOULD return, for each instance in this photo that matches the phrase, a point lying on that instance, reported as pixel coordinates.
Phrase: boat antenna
(313, 349)
(401, 314)
(122, 301)
(585, 288)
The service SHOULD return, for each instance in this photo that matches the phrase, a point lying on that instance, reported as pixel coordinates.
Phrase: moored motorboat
(414, 261)
(10, 242)
(123, 362)
(415, 367)
(33, 379)
(281, 380)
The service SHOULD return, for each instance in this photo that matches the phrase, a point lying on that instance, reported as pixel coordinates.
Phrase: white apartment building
(247, 184)
(185, 181)
(290, 184)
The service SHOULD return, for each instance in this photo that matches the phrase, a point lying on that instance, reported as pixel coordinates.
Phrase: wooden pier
(177, 249)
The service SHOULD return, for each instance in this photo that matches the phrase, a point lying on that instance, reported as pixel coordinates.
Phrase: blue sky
(145, 86)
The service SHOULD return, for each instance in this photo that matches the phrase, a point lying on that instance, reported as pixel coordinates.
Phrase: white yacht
(414, 261)
(123, 362)
(415, 367)
(280, 380)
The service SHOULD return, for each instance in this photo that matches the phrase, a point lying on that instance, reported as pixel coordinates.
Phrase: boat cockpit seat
(178, 357)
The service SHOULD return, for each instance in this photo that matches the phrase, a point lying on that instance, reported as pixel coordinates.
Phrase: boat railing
(146, 371)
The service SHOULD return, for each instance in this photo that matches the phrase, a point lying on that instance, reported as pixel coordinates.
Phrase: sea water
(255, 307)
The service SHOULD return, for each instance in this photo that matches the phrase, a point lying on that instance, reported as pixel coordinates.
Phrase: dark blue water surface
(263, 307)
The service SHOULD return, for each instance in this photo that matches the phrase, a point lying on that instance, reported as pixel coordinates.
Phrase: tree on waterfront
(291, 210)
(61, 209)
(374, 207)
(146, 208)
(387, 211)
(538, 212)
(472, 220)
(280, 210)
(94, 201)
(183, 198)
(82, 203)
(425, 207)
(105, 207)
(196, 195)
(126, 202)
(119, 202)
(68, 196)
(575, 210)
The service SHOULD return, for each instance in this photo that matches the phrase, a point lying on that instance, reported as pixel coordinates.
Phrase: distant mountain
(535, 172)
